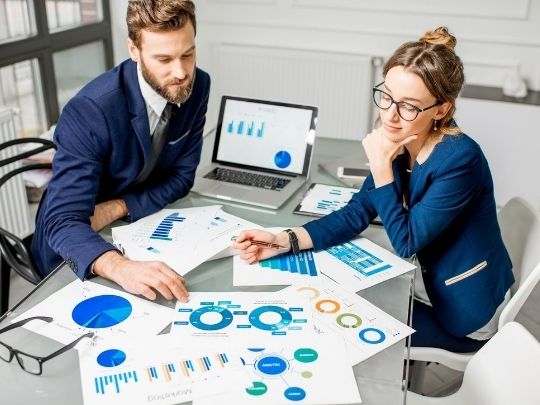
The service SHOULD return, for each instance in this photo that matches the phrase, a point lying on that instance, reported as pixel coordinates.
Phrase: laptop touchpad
(231, 191)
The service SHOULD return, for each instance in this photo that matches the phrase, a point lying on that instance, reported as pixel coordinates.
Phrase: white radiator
(338, 83)
(14, 211)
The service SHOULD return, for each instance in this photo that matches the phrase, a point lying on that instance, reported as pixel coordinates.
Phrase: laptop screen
(272, 136)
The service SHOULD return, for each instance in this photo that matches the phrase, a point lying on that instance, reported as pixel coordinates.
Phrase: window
(16, 20)
(20, 89)
(49, 49)
(64, 14)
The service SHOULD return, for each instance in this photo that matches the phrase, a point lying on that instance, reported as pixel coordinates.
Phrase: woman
(432, 187)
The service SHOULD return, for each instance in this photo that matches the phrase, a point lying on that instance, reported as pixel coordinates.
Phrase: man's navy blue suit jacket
(103, 140)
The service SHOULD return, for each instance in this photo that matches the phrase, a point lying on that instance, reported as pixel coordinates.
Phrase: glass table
(381, 379)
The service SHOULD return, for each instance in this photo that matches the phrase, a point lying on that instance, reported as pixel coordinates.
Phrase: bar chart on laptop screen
(275, 136)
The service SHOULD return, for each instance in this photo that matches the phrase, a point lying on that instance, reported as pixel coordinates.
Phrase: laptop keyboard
(248, 178)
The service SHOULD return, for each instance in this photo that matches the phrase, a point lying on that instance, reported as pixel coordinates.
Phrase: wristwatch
(293, 239)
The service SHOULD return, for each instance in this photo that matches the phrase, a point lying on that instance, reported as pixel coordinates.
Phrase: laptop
(262, 152)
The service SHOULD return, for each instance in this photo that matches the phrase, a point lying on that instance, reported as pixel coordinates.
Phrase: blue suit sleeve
(454, 185)
(180, 178)
(72, 191)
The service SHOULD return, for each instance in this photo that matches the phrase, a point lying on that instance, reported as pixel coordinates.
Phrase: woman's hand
(381, 152)
(252, 253)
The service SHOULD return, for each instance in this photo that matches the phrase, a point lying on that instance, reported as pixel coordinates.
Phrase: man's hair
(158, 15)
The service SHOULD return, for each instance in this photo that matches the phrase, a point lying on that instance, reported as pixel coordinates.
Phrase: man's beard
(177, 96)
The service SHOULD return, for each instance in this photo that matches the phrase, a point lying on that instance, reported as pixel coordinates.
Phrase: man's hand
(107, 212)
(141, 277)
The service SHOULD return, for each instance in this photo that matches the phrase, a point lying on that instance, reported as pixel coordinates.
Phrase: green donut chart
(357, 320)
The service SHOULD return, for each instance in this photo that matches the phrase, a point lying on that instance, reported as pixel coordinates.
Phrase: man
(128, 145)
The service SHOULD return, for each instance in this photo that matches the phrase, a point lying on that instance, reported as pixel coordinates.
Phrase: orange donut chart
(320, 303)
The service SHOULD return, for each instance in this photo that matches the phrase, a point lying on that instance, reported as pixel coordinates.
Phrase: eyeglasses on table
(28, 362)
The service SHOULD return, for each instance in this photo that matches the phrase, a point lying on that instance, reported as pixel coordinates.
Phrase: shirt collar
(152, 99)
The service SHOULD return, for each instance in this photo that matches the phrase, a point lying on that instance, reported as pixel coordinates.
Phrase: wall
(495, 37)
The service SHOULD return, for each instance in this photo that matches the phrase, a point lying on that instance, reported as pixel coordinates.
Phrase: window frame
(44, 44)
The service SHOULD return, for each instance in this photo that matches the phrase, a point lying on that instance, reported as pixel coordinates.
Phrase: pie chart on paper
(111, 358)
(102, 311)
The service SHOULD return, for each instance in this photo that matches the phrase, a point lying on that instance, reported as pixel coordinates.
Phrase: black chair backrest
(14, 250)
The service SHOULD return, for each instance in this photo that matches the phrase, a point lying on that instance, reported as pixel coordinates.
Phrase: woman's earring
(435, 125)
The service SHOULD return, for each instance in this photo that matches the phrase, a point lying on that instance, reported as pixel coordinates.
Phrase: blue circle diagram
(226, 318)
(102, 311)
(295, 394)
(111, 358)
(255, 317)
(282, 159)
(272, 365)
(363, 332)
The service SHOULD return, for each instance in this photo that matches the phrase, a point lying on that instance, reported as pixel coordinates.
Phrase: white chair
(520, 228)
(505, 371)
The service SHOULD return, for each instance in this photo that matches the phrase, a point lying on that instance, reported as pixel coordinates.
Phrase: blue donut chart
(255, 317)
(101, 311)
(282, 159)
(226, 318)
(363, 332)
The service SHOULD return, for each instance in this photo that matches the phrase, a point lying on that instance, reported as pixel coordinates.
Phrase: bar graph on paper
(359, 259)
(171, 372)
(164, 228)
(302, 264)
(284, 269)
(360, 263)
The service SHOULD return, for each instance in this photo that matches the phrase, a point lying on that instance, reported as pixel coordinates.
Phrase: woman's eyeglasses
(407, 111)
(28, 362)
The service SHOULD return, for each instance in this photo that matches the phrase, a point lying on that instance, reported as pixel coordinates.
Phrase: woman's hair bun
(440, 36)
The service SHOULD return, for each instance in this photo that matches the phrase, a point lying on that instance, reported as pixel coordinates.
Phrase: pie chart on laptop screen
(282, 159)
(101, 311)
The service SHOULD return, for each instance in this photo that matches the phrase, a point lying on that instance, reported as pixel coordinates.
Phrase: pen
(263, 244)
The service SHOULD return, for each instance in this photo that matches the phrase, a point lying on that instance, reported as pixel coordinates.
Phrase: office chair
(504, 371)
(520, 228)
(15, 252)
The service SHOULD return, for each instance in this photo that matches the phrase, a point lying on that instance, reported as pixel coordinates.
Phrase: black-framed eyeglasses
(407, 111)
(28, 362)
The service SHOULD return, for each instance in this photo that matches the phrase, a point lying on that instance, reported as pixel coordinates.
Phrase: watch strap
(293, 239)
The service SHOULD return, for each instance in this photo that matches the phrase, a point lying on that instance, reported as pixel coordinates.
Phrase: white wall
(509, 136)
(494, 38)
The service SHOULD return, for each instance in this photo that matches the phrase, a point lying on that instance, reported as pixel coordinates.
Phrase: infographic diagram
(314, 371)
(240, 315)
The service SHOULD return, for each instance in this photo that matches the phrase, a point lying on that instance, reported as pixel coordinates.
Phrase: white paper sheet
(367, 329)
(241, 317)
(182, 238)
(322, 199)
(310, 372)
(360, 263)
(159, 371)
(81, 307)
